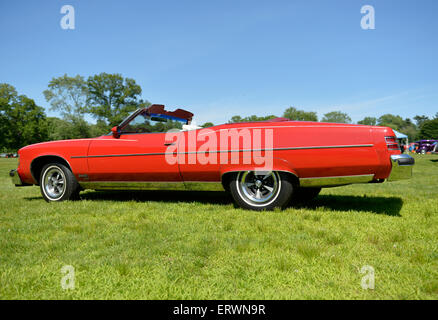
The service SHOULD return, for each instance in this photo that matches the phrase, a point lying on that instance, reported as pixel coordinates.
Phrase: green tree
(207, 125)
(253, 118)
(336, 117)
(396, 122)
(369, 121)
(99, 128)
(111, 98)
(420, 120)
(70, 127)
(59, 129)
(299, 115)
(392, 121)
(22, 122)
(68, 95)
(429, 129)
(236, 119)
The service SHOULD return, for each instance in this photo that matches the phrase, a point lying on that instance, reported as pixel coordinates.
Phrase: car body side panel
(307, 150)
(131, 157)
(327, 150)
(65, 149)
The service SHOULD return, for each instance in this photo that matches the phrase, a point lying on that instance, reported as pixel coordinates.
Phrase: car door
(133, 156)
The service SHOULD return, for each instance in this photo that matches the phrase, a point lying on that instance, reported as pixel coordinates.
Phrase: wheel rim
(54, 183)
(258, 188)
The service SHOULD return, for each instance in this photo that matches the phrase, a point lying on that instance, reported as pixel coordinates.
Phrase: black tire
(57, 183)
(259, 196)
(303, 195)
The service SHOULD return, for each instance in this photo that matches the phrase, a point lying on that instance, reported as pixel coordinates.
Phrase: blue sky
(223, 58)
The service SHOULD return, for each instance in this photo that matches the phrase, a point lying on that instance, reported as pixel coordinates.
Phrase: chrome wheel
(258, 188)
(54, 183)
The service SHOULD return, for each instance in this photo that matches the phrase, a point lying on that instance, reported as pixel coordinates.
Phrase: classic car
(263, 165)
(425, 146)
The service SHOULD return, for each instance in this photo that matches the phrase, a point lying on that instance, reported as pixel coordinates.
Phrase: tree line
(109, 98)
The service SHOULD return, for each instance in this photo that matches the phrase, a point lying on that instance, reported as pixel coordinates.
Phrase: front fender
(50, 151)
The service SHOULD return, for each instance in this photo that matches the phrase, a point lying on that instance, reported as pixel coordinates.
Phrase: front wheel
(261, 190)
(57, 183)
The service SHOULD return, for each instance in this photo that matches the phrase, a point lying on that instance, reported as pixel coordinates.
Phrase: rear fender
(278, 164)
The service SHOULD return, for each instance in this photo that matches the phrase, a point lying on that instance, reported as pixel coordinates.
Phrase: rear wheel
(57, 183)
(261, 190)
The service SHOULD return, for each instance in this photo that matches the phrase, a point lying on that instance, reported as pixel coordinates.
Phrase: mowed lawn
(197, 245)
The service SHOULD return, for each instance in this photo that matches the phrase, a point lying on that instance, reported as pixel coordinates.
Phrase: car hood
(59, 144)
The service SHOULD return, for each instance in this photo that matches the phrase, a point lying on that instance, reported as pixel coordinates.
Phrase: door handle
(169, 143)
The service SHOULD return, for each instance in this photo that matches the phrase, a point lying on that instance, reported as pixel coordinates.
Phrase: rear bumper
(15, 177)
(401, 167)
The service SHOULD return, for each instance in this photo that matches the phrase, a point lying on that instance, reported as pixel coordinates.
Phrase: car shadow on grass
(390, 206)
(204, 197)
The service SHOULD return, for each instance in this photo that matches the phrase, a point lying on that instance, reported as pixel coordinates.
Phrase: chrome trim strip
(335, 181)
(223, 151)
(210, 130)
(327, 147)
(120, 155)
(152, 185)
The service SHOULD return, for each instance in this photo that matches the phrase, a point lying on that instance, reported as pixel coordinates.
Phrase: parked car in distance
(425, 146)
(8, 155)
(284, 161)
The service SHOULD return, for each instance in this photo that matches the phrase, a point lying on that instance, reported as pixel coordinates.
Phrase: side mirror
(116, 132)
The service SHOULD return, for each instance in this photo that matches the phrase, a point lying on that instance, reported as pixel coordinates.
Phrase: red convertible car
(263, 164)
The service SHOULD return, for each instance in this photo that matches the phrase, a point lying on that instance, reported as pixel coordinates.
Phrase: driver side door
(136, 156)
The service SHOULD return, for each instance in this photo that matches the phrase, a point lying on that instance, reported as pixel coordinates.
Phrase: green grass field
(197, 245)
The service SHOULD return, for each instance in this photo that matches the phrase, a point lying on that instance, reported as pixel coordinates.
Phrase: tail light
(392, 143)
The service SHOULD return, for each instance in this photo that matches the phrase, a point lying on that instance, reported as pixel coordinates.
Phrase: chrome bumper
(16, 179)
(401, 167)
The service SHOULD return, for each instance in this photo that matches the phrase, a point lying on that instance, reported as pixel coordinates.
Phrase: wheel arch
(278, 164)
(38, 163)
(227, 176)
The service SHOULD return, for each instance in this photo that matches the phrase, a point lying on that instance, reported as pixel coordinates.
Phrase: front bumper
(16, 179)
(401, 167)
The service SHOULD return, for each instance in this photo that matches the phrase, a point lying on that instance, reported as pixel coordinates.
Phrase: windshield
(149, 123)
(127, 118)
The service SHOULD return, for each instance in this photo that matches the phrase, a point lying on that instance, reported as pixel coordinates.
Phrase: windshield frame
(144, 113)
